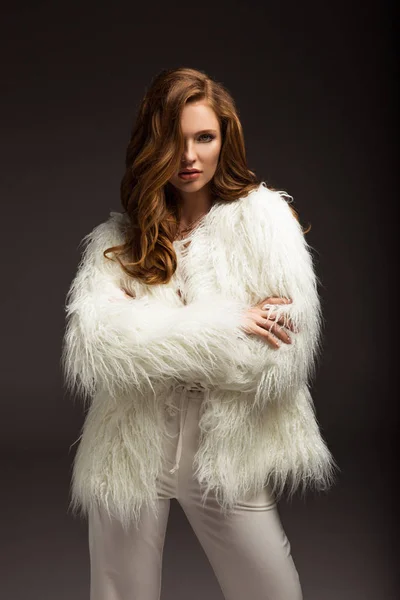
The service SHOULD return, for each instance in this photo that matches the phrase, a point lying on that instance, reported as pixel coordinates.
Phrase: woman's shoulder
(107, 233)
(269, 209)
(120, 218)
(267, 200)
(113, 226)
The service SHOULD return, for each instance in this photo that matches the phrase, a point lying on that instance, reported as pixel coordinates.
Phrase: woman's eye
(208, 135)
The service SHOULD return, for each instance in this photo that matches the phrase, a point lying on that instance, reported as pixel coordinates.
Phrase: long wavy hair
(153, 156)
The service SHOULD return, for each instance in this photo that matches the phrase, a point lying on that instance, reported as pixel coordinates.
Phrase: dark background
(314, 84)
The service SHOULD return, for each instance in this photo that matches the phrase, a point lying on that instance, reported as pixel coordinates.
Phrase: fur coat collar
(125, 355)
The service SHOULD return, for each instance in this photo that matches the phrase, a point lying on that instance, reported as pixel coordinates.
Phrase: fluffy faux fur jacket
(124, 355)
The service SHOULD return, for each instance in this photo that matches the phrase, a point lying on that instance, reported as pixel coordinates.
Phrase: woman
(194, 344)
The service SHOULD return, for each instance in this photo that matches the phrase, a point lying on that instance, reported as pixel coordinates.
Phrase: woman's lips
(190, 176)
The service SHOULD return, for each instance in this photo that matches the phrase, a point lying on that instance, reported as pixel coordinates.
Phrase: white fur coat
(124, 355)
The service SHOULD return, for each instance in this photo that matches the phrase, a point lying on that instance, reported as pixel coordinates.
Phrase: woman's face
(202, 135)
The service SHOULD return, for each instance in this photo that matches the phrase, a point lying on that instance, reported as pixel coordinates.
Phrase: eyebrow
(206, 131)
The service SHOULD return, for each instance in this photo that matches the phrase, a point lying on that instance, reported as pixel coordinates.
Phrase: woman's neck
(194, 205)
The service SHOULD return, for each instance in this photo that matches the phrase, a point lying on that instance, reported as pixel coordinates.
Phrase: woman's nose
(189, 155)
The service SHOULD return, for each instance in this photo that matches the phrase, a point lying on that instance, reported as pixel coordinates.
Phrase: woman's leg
(248, 549)
(126, 565)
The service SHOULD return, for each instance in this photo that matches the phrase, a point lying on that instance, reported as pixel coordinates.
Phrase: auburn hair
(153, 156)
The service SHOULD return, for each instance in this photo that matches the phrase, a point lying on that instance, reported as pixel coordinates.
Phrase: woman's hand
(263, 323)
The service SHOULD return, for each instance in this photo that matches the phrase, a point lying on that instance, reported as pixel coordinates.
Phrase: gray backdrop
(314, 84)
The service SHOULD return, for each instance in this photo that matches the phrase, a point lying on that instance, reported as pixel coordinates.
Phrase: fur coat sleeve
(117, 342)
(282, 265)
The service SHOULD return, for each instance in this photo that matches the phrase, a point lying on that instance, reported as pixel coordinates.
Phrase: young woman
(193, 329)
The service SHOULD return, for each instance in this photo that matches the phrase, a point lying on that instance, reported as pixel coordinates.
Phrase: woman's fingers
(128, 294)
(283, 320)
(276, 300)
(267, 336)
(276, 329)
(263, 321)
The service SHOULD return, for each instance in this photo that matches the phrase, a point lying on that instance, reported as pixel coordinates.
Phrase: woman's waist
(190, 389)
(193, 388)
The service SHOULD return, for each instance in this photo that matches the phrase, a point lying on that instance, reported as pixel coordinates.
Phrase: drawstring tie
(184, 388)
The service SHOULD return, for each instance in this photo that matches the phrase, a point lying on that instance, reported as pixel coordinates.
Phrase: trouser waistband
(183, 390)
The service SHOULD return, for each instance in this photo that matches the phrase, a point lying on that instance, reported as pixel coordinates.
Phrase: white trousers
(248, 549)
